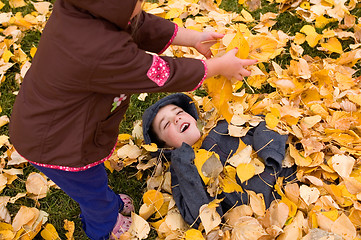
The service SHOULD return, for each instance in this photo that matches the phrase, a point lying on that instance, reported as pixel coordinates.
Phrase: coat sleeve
(188, 190)
(153, 33)
(270, 146)
(128, 69)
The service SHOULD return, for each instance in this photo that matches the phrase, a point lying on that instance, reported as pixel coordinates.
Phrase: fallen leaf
(49, 232)
(309, 194)
(139, 228)
(209, 217)
(154, 198)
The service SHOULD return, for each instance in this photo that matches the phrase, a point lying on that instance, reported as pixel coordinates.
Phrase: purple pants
(99, 205)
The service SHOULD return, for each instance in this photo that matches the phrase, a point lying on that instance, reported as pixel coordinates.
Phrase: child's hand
(229, 66)
(205, 41)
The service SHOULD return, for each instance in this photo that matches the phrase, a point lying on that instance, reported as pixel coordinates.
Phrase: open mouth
(184, 127)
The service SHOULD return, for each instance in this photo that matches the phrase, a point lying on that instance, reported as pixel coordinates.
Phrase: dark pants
(99, 205)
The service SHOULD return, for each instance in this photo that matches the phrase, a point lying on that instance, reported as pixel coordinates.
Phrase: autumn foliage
(315, 100)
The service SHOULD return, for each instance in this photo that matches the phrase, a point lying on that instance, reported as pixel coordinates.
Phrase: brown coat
(86, 57)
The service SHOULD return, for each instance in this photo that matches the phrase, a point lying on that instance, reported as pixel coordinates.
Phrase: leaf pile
(315, 99)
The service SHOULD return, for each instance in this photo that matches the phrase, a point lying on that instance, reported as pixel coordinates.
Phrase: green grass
(57, 203)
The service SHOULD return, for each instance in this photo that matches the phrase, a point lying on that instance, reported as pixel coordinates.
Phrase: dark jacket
(188, 189)
(88, 55)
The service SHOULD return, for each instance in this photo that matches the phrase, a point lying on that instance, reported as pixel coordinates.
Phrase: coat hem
(72, 169)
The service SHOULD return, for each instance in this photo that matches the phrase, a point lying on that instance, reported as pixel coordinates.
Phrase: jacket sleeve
(188, 190)
(128, 69)
(270, 146)
(152, 33)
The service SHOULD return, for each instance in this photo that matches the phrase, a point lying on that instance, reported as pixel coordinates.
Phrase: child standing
(171, 122)
(91, 58)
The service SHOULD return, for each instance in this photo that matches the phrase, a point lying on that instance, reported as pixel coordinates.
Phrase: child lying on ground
(172, 123)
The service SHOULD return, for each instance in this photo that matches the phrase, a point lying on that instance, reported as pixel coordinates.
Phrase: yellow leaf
(202, 19)
(124, 137)
(178, 21)
(173, 13)
(6, 226)
(150, 147)
(7, 55)
(157, 224)
(305, 5)
(291, 206)
(355, 98)
(332, 214)
(273, 118)
(17, 3)
(320, 110)
(299, 38)
(193, 234)
(201, 156)
(153, 197)
(311, 121)
(70, 227)
(108, 165)
(49, 232)
(321, 21)
(228, 182)
(333, 45)
(215, 203)
(1, 4)
(33, 51)
(239, 42)
(19, 56)
(245, 171)
(262, 48)
(300, 159)
(220, 89)
(7, 234)
(312, 37)
(247, 16)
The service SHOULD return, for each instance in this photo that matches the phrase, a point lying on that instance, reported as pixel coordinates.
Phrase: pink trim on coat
(171, 39)
(159, 71)
(73, 169)
(205, 75)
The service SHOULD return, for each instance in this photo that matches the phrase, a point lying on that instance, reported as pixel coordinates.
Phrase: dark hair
(155, 138)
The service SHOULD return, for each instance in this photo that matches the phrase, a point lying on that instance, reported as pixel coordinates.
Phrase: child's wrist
(214, 67)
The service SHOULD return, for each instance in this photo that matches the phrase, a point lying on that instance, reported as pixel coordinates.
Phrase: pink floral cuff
(159, 72)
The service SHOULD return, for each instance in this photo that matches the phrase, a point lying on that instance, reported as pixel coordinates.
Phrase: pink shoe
(128, 207)
(122, 226)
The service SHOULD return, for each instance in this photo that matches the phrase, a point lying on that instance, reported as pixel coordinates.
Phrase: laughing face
(174, 126)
